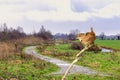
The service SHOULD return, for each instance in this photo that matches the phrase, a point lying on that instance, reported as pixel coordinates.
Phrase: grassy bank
(113, 44)
(25, 68)
(82, 77)
(103, 62)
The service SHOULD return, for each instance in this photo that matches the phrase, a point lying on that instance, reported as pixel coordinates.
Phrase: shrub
(95, 48)
(77, 46)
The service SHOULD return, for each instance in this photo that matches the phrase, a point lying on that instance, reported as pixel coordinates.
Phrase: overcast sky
(62, 15)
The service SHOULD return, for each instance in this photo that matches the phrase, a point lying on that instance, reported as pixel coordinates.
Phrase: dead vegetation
(6, 49)
(79, 46)
(14, 47)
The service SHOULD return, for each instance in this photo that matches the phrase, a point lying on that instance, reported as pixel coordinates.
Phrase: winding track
(62, 64)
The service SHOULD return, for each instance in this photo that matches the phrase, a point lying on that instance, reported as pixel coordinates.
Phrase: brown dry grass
(94, 64)
(14, 79)
(16, 61)
(8, 48)
(30, 40)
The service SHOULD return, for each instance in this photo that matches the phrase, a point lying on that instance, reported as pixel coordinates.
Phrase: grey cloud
(108, 26)
(78, 7)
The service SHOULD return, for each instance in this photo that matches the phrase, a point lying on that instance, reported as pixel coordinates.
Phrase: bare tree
(4, 32)
(118, 36)
(20, 29)
(102, 36)
(73, 34)
(10, 33)
(43, 33)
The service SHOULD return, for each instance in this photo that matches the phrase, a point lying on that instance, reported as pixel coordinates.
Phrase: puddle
(106, 50)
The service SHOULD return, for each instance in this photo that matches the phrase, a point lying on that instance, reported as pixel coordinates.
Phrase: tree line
(70, 36)
(73, 35)
(9, 33)
(102, 36)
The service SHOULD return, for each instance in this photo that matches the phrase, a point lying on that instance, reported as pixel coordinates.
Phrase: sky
(62, 16)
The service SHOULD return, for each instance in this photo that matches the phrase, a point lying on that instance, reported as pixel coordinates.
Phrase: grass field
(81, 77)
(14, 65)
(27, 68)
(113, 44)
(103, 62)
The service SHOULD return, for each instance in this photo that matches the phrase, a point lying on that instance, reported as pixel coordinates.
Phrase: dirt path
(62, 64)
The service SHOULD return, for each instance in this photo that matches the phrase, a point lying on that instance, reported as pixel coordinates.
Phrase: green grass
(103, 62)
(82, 77)
(114, 44)
(29, 69)
(65, 48)
(63, 52)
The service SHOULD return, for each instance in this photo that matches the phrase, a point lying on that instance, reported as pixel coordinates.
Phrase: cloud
(56, 16)
(57, 10)
(109, 11)
(94, 3)
(11, 2)
(9, 14)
